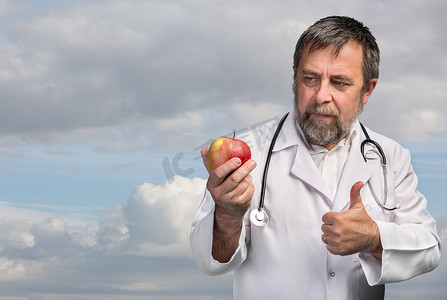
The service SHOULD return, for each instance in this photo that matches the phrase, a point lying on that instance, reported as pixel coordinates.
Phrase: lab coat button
(332, 274)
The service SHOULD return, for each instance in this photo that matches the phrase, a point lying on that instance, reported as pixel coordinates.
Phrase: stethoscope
(259, 216)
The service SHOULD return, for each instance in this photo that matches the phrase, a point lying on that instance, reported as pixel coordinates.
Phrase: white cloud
(9, 212)
(150, 227)
(88, 65)
(10, 269)
(248, 114)
(139, 249)
(135, 226)
(408, 108)
(190, 121)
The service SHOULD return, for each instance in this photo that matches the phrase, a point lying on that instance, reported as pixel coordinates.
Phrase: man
(328, 237)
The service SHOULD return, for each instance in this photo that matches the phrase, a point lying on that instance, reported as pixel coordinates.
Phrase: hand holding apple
(232, 189)
(224, 148)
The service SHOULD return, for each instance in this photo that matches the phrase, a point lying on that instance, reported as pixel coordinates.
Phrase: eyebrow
(336, 77)
(310, 72)
(344, 78)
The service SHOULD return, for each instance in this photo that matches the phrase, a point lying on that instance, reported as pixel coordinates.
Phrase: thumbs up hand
(353, 230)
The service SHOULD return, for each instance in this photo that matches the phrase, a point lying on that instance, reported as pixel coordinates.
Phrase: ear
(369, 90)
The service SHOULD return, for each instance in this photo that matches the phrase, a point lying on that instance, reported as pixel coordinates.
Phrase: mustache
(322, 110)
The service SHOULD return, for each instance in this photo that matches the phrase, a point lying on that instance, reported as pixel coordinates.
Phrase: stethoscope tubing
(267, 161)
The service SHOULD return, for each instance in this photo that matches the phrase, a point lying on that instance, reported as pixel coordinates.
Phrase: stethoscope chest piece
(259, 217)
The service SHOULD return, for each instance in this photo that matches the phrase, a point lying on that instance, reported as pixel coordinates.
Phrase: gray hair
(336, 31)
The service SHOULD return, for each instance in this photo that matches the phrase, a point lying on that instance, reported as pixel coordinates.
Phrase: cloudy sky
(103, 102)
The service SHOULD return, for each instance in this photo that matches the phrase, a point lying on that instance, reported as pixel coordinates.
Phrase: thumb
(356, 199)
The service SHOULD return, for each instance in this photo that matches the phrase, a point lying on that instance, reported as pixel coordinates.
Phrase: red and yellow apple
(224, 148)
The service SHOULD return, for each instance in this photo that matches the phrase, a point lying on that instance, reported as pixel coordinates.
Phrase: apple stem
(234, 134)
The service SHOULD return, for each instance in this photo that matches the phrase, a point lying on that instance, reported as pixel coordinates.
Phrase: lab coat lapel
(305, 169)
(303, 166)
(356, 169)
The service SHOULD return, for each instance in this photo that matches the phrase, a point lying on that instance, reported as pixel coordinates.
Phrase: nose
(323, 93)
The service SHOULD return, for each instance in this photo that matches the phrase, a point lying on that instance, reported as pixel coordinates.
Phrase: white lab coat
(286, 259)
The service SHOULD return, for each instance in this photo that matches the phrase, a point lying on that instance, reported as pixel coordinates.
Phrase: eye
(310, 80)
(339, 83)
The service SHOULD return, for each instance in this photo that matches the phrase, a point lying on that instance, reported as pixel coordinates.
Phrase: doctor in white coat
(327, 237)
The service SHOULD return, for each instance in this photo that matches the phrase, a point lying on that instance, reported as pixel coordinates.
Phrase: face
(329, 95)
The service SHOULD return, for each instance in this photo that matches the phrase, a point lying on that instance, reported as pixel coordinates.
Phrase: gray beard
(324, 132)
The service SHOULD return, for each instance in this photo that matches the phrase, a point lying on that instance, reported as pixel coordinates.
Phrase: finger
(204, 153)
(240, 174)
(324, 238)
(356, 199)
(332, 248)
(221, 173)
(244, 199)
(237, 202)
(326, 228)
(230, 191)
(328, 218)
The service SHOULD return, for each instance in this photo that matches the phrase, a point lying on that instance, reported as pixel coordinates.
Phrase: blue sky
(103, 101)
